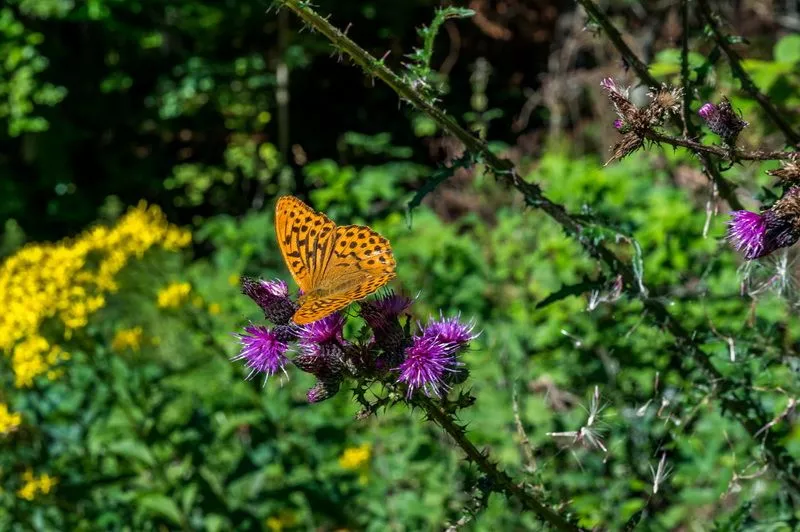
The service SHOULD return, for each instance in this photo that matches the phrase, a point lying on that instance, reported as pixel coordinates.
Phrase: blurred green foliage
(176, 101)
(172, 433)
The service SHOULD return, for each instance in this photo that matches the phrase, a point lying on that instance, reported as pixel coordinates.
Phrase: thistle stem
(722, 153)
(499, 478)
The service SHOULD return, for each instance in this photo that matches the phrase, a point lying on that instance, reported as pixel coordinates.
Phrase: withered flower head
(629, 143)
(619, 99)
(663, 102)
(788, 174)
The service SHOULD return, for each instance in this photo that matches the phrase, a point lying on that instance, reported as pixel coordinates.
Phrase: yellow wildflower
(234, 279)
(69, 281)
(174, 295)
(214, 309)
(33, 485)
(281, 521)
(32, 357)
(8, 422)
(354, 457)
(127, 339)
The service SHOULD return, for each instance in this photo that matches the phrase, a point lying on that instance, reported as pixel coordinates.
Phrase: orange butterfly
(333, 265)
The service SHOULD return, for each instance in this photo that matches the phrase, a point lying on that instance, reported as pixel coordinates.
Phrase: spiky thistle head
(451, 330)
(427, 362)
(757, 235)
(262, 351)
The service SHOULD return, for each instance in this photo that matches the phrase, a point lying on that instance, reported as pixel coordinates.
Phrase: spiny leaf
(439, 176)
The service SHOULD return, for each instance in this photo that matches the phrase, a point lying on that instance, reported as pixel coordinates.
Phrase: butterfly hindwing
(362, 249)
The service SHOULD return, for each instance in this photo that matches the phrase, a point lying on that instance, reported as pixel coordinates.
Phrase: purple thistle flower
(450, 331)
(707, 111)
(610, 85)
(427, 360)
(618, 123)
(746, 232)
(328, 329)
(272, 297)
(262, 351)
(722, 120)
(757, 235)
(384, 310)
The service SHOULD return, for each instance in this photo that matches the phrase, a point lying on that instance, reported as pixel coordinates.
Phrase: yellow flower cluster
(174, 295)
(68, 281)
(355, 457)
(127, 339)
(34, 356)
(33, 485)
(8, 422)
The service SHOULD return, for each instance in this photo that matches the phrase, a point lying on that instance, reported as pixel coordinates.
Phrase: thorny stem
(500, 479)
(726, 154)
(744, 409)
(726, 190)
(747, 82)
(616, 39)
(688, 126)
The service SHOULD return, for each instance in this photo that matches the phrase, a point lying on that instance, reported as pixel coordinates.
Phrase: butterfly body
(333, 265)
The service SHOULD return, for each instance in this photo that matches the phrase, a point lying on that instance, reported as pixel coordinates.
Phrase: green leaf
(133, 449)
(788, 49)
(161, 505)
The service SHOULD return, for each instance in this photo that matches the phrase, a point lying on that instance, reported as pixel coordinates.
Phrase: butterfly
(333, 265)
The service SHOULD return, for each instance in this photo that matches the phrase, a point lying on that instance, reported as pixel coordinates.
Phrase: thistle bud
(324, 361)
(272, 297)
(323, 390)
(722, 120)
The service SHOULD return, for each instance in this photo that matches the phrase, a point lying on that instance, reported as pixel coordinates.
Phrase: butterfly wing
(360, 263)
(305, 238)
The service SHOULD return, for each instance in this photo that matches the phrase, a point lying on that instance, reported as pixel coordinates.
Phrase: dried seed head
(619, 98)
(663, 102)
(788, 173)
(783, 221)
(629, 143)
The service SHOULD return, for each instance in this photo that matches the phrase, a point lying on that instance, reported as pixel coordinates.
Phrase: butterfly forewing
(305, 238)
(334, 266)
